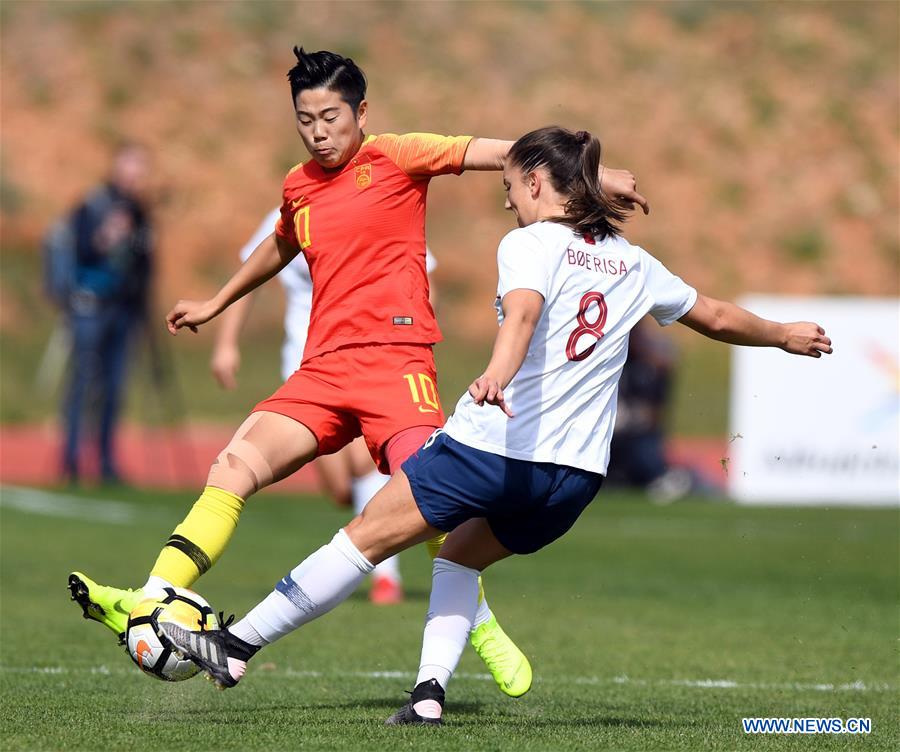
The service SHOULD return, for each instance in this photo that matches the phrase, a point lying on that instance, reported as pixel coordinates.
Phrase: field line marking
(55, 504)
(856, 686)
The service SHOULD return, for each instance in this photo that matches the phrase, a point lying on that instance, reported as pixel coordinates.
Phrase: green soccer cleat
(108, 605)
(507, 664)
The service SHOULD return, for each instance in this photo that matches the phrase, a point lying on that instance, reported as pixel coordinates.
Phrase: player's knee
(370, 537)
(361, 537)
(241, 469)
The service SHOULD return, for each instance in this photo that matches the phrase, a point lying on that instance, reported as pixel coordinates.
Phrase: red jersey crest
(363, 176)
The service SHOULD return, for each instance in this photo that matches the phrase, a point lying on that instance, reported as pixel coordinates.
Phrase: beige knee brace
(240, 467)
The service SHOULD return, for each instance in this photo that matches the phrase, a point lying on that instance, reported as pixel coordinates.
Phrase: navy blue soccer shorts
(527, 504)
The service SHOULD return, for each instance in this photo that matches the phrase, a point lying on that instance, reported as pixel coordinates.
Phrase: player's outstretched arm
(264, 263)
(486, 154)
(730, 323)
(521, 311)
(490, 154)
(225, 361)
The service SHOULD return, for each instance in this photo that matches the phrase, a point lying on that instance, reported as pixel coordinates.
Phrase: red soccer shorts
(371, 390)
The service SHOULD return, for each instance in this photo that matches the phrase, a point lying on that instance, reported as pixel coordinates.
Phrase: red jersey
(362, 230)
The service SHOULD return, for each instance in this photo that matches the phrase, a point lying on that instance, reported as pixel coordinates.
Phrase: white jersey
(298, 293)
(564, 395)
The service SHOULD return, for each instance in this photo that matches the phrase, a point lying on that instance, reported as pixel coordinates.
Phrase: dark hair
(316, 70)
(573, 161)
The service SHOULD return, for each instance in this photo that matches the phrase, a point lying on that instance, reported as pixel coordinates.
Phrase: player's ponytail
(573, 163)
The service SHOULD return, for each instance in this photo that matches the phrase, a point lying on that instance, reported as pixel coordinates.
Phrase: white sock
(363, 489)
(247, 633)
(322, 581)
(483, 614)
(451, 610)
(155, 586)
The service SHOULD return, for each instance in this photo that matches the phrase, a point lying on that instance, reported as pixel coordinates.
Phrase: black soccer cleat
(210, 650)
(427, 691)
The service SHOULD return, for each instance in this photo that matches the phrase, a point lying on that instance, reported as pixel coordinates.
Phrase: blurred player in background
(349, 476)
(356, 211)
(513, 479)
(98, 271)
(637, 452)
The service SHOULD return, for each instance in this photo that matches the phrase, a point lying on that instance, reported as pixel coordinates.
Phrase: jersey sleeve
(522, 264)
(423, 155)
(284, 227)
(266, 228)
(672, 297)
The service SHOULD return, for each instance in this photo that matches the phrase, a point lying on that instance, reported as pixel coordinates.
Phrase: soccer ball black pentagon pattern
(145, 642)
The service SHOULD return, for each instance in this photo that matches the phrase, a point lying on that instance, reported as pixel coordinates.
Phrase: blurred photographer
(98, 267)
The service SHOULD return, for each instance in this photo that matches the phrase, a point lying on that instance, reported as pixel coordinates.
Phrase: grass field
(648, 628)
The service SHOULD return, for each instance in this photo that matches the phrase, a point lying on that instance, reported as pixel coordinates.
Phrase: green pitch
(648, 628)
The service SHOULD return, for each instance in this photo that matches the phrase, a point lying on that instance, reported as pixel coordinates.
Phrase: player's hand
(621, 184)
(190, 314)
(486, 389)
(224, 364)
(806, 338)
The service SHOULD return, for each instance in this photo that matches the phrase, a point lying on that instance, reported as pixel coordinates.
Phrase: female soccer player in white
(570, 290)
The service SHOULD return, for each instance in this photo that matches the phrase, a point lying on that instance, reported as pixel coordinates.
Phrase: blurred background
(765, 136)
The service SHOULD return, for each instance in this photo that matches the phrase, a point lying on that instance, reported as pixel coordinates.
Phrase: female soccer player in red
(348, 476)
(356, 211)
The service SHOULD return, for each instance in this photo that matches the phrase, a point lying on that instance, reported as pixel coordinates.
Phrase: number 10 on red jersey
(424, 393)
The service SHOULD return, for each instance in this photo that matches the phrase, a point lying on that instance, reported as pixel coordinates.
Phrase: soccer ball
(149, 648)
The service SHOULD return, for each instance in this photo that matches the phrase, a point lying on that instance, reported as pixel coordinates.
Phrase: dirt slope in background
(766, 135)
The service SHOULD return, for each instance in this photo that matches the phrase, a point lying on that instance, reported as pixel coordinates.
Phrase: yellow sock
(434, 545)
(198, 542)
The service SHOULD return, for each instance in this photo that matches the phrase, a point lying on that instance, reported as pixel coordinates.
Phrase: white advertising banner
(819, 431)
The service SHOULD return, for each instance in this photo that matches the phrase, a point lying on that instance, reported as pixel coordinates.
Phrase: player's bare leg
(474, 545)
(360, 460)
(350, 478)
(387, 587)
(391, 523)
(266, 448)
(336, 476)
